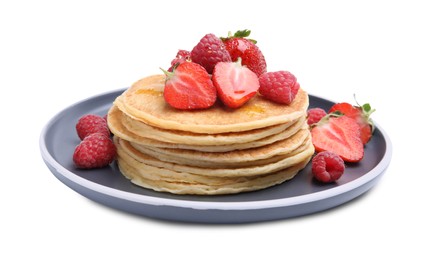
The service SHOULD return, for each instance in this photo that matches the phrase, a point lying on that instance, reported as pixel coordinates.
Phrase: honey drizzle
(253, 109)
(150, 91)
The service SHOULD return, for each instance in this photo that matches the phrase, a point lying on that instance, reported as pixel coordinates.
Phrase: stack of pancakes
(213, 151)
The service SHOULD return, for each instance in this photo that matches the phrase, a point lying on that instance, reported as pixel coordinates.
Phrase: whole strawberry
(239, 46)
(89, 124)
(95, 151)
(279, 86)
(189, 87)
(209, 51)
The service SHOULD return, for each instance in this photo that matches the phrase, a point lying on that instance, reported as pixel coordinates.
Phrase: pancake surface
(207, 152)
(144, 102)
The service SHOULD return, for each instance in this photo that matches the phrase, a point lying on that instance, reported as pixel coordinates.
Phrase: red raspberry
(95, 151)
(181, 56)
(89, 124)
(279, 86)
(314, 115)
(327, 166)
(209, 51)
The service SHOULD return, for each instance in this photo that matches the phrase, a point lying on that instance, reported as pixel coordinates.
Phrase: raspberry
(89, 124)
(327, 166)
(279, 86)
(314, 115)
(95, 151)
(209, 51)
(181, 56)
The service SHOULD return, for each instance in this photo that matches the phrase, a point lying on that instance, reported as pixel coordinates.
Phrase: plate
(300, 196)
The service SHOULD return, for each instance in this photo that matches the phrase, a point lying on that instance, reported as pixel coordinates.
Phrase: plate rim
(209, 205)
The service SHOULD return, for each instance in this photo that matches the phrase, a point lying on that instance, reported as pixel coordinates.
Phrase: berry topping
(240, 47)
(340, 135)
(89, 124)
(359, 113)
(181, 57)
(189, 87)
(209, 51)
(327, 167)
(235, 83)
(279, 86)
(314, 115)
(95, 151)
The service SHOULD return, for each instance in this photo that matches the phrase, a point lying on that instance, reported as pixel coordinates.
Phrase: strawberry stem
(239, 34)
(367, 112)
(242, 33)
(168, 73)
(326, 118)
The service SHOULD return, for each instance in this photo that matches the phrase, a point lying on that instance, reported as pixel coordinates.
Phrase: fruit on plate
(279, 86)
(209, 51)
(189, 87)
(95, 151)
(338, 134)
(314, 115)
(327, 166)
(91, 123)
(239, 46)
(235, 83)
(359, 113)
(181, 57)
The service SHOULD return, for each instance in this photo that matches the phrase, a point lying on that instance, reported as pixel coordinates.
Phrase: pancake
(114, 121)
(224, 163)
(141, 175)
(183, 137)
(144, 102)
(127, 152)
(198, 158)
(211, 151)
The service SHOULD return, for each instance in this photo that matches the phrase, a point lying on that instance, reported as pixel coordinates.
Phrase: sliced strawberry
(340, 135)
(235, 83)
(239, 46)
(359, 113)
(189, 87)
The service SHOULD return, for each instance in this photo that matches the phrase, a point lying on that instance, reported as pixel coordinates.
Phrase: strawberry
(89, 124)
(209, 51)
(235, 83)
(279, 86)
(189, 87)
(181, 57)
(359, 113)
(95, 151)
(240, 47)
(340, 135)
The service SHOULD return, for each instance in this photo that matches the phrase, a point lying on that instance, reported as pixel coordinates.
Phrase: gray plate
(299, 196)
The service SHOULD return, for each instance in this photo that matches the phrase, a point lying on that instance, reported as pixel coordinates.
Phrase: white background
(53, 54)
